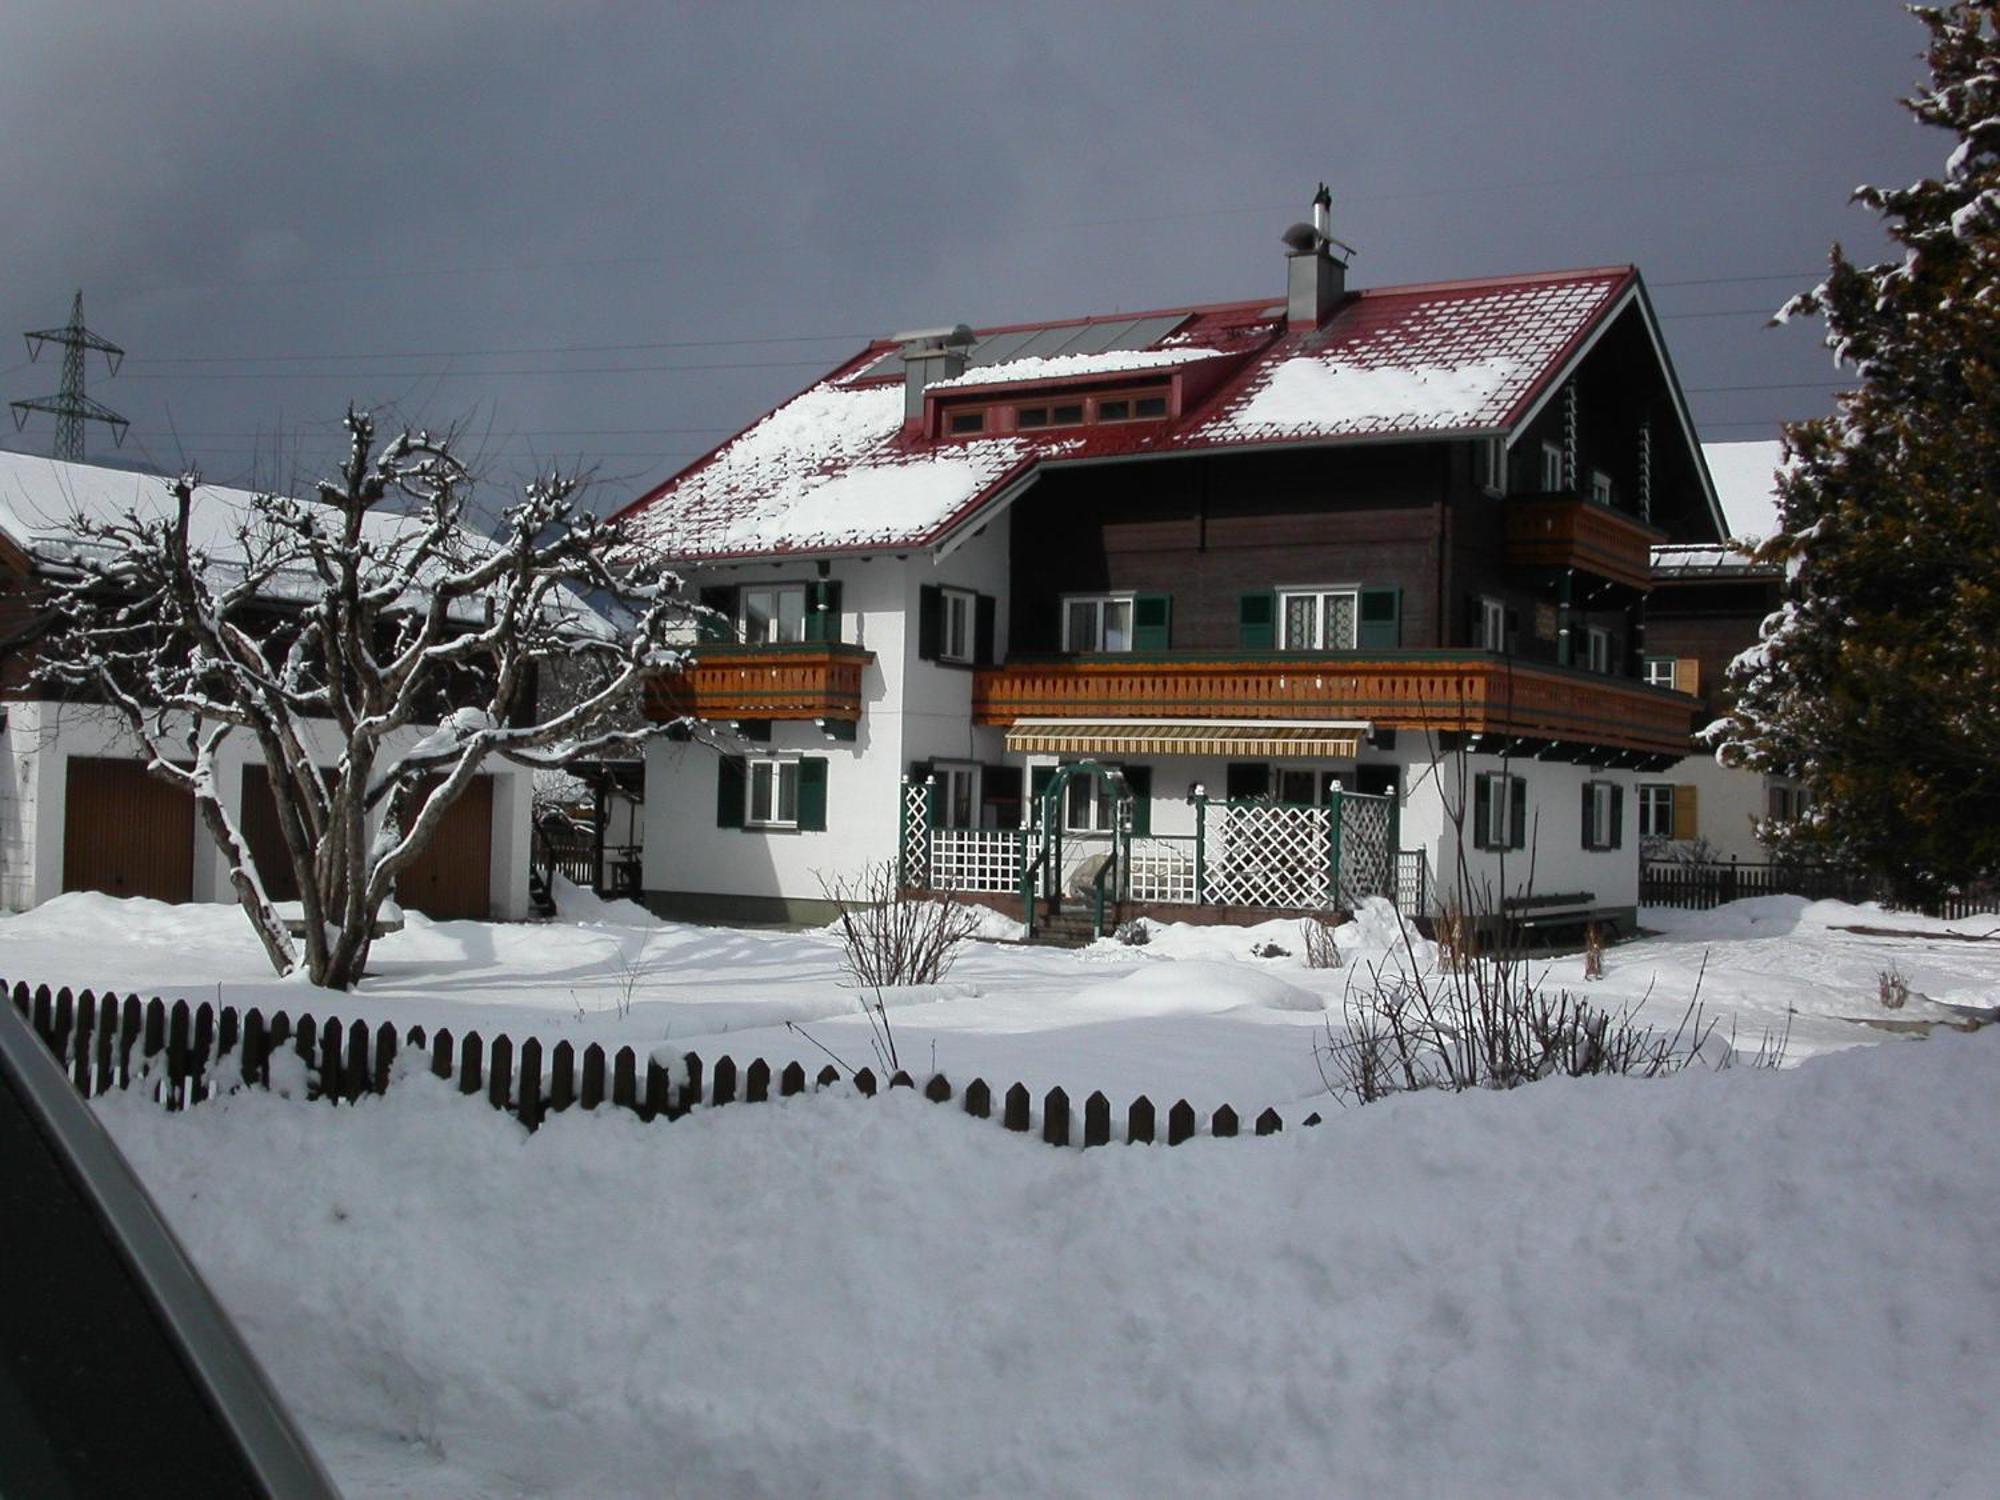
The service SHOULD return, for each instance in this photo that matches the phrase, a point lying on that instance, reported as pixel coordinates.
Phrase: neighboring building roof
(836, 469)
(1745, 477)
(1690, 560)
(42, 498)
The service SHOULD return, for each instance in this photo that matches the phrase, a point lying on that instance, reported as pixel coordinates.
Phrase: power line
(248, 359)
(752, 364)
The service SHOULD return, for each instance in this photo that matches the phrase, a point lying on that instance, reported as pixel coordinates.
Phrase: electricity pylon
(69, 406)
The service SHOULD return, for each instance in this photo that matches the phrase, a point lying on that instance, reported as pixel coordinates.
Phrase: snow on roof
(836, 468)
(41, 499)
(1422, 359)
(1698, 559)
(1064, 366)
(1745, 476)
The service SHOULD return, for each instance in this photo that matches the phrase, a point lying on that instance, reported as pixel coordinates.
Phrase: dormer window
(963, 422)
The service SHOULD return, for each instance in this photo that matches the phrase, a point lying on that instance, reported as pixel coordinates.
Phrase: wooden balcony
(1473, 692)
(1565, 531)
(729, 682)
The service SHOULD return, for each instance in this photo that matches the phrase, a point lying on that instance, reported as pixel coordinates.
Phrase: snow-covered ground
(1192, 1014)
(1724, 1283)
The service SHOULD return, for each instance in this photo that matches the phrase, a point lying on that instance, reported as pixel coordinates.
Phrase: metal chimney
(931, 355)
(1314, 281)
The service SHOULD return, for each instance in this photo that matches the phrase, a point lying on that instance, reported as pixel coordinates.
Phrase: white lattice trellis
(1265, 854)
(976, 859)
(1161, 870)
(916, 835)
(1367, 861)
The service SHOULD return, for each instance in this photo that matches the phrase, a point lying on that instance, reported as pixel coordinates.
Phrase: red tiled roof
(834, 468)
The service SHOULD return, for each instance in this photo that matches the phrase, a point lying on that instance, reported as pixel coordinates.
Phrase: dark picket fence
(1697, 887)
(184, 1054)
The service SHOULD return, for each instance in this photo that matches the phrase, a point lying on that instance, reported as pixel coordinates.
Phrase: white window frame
(1103, 808)
(775, 771)
(1499, 801)
(1597, 648)
(1323, 782)
(1319, 595)
(1492, 623)
(1601, 489)
(1659, 672)
(1600, 815)
(1490, 454)
(958, 630)
(1789, 794)
(774, 635)
(950, 773)
(1552, 468)
(1100, 609)
(1656, 812)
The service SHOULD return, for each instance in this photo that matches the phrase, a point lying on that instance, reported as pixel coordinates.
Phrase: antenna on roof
(69, 406)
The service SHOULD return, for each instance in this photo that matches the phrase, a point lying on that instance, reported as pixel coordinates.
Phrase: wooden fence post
(1015, 1116)
(864, 1083)
(1180, 1122)
(659, 1091)
(979, 1100)
(385, 1055)
(1222, 1122)
(757, 1082)
(1097, 1120)
(562, 1077)
(441, 1052)
(592, 1092)
(471, 1055)
(1269, 1123)
(792, 1080)
(625, 1080)
(691, 1090)
(526, 1101)
(1139, 1122)
(722, 1081)
(1055, 1117)
(938, 1090)
(355, 1073)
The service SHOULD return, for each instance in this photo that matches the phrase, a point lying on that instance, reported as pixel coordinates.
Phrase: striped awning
(1273, 740)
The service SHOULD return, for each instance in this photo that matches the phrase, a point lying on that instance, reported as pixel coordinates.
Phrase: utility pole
(69, 406)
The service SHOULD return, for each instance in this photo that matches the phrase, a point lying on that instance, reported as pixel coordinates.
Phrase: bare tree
(376, 657)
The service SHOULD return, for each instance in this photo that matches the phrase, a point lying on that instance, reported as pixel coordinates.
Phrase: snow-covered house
(1707, 604)
(1320, 590)
(79, 811)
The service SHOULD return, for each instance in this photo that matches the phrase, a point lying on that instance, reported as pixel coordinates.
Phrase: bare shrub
(890, 936)
(1322, 952)
(1133, 934)
(1892, 989)
(1593, 951)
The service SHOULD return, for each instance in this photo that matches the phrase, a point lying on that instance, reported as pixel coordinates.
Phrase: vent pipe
(931, 355)
(1314, 281)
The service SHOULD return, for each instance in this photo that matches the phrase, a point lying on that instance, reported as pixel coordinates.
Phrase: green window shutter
(1618, 817)
(1140, 780)
(1152, 616)
(1589, 806)
(985, 630)
(1038, 784)
(1381, 627)
(1482, 810)
(1517, 813)
(930, 622)
(720, 625)
(1246, 779)
(823, 611)
(1257, 620)
(732, 778)
(812, 794)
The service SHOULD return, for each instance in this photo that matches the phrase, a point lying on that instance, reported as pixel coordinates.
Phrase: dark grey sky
(618, 231)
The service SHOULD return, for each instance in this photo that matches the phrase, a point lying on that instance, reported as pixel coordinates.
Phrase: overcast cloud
(426, 199)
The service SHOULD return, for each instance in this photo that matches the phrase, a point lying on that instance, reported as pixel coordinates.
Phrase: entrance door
(126, 832)
(452, 879)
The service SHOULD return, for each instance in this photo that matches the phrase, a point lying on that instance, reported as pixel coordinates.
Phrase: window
(1597, 648)
(1306, 787)
(967, 421)
(1785, 801)
(1490, 465)
(1087, 807)
(1600, 486)
(773, 613)
(1492, 625)
(959, 614)
(1031, 416)
(957, 795)
(1149, 406)
(1603, 815)
(1097, 622)
(1119, 410)
(774, 794)
(1499, 811)
(1656, 810)
(1123, 406)
(1660, 672)
(1552, 468)
(1317, 620)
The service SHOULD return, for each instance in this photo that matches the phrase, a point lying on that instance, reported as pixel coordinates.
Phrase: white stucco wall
(1728, 805)
(41, 738)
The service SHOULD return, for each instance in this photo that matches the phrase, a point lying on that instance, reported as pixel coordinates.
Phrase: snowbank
(1743, 1284)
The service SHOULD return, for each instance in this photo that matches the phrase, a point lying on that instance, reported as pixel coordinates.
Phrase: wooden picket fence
(1698, 887)
(186, 1053)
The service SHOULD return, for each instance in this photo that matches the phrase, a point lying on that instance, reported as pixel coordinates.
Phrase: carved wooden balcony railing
(1563, 531)
(725, 682)
(1473, 692)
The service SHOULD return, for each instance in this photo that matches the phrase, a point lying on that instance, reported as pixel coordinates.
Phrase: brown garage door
(266, 840)
(451, 879)
(126, 832)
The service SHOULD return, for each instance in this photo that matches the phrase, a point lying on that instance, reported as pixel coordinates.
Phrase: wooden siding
(1710, 620)
(1470, 692)
(763, 682)
(1565, 531)
(451, 880)
(126, 832)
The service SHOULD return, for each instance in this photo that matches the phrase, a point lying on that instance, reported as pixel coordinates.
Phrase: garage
(126, 832)
(452, 879)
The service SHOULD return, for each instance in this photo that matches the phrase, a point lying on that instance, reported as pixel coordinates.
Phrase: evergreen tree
(1878, 682)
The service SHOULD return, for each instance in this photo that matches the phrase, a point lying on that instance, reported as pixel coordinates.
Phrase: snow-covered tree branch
(376, 650)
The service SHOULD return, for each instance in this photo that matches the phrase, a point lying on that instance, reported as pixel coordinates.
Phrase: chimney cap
(951, 336)
(1303, 239)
